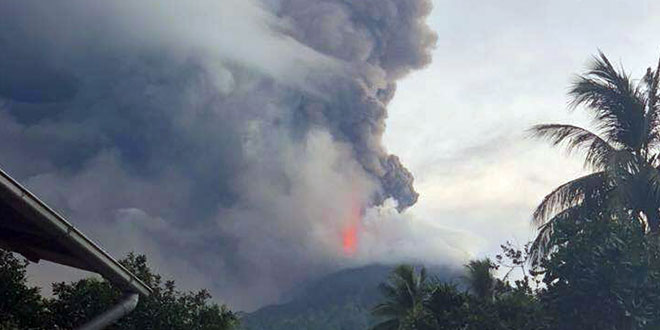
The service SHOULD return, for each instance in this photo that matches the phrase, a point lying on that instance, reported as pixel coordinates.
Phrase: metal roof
(29, 227)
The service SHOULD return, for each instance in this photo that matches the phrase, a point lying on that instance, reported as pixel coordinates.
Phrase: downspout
(124, 307)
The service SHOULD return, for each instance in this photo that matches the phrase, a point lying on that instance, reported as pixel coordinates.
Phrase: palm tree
(480, 279)
(622, 153)
(448, 306)
(405, 295)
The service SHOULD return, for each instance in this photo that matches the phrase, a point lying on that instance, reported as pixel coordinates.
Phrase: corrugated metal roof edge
(110, 268)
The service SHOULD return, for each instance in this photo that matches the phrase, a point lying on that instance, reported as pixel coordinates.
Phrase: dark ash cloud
(230, 140)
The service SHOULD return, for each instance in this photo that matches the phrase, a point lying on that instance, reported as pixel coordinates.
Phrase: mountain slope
(339, 301)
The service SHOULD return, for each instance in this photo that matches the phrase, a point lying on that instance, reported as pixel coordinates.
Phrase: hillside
(339, 301)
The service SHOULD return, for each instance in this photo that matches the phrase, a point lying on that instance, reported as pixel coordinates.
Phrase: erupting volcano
(239, 144)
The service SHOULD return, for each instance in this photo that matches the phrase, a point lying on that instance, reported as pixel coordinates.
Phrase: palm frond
(570, 194)
(653, 182)
(479, 277)
(543, 243)
(640, 191)
(624, 150)
(405, 292)
(387, 309)
(598, 151)
(617, 102)
(651, 81)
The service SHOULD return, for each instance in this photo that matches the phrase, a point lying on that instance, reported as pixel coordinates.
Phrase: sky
(499, 68)
(253, 149)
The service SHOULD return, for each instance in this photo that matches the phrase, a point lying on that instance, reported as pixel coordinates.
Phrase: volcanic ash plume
(229, 140)
(380, 41)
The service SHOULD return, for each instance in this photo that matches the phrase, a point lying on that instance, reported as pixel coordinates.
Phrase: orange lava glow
(349, 240)
(350, 232)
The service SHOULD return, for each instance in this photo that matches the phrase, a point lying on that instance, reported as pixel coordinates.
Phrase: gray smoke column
(233, 141)
(382, 40)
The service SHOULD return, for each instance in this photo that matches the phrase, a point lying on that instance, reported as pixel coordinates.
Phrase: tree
(480, 279)
(622, 152)
(603, 275)
(77, 302)
(449, 308)
(167, 308)
(442, 306)
(496, 304)
(405, 295)
(21, 306)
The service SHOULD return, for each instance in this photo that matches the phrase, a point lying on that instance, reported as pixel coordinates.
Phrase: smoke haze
(233, 141)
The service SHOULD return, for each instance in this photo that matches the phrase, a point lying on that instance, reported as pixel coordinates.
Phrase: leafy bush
(21, 306)
(603, 275)
(77, 302)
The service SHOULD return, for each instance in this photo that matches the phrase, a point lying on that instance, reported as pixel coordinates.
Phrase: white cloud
(499, 68)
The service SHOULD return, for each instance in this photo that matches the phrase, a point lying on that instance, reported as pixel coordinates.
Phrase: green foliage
(479, 278)
(166, 308)
(597, 249)
(448, 307)
(603, 275)
(622, 152)
(437, 305)
(405, 294)
(21, 306)
(77, 302)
